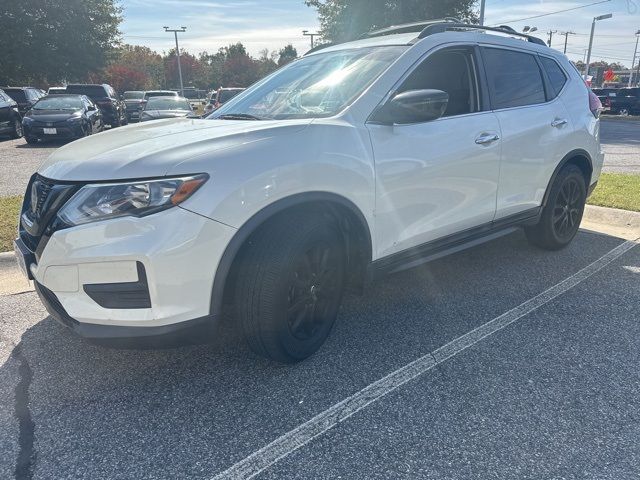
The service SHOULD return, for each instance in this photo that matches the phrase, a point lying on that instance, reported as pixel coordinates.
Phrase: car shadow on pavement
(88, 411)
(47, 144)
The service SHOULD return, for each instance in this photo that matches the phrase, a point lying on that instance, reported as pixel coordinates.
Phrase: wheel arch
(578, 157)
(352, 223)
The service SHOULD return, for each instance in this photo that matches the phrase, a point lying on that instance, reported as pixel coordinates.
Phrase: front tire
(31, 140)
(562, 214)
(290, 285)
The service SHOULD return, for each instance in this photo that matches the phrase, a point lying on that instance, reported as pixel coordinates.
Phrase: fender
(572, 154)
(243, 233)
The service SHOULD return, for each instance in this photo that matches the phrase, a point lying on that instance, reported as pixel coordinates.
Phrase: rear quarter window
(556, 75)
(514, 78)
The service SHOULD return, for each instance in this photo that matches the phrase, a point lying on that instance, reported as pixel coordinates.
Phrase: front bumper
(63, 131)
(89, 277)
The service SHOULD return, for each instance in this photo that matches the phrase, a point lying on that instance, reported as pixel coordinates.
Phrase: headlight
(138, 198)
(74, 119)
(27, 120)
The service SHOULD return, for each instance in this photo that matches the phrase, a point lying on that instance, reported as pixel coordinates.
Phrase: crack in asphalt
(26, 426)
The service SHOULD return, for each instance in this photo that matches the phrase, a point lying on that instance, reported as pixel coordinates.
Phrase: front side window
(317, 86)
(451, 71)
(514, 78)
(556, 75)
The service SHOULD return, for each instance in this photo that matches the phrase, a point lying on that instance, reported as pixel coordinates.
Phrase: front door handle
(559, 122)
(487, 138)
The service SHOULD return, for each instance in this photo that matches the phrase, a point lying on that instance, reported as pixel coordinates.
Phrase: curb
(7, 258)
(612, 216)
(620, 118)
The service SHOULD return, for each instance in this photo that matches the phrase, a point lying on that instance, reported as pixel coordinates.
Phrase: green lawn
(9, 211)
(617, 190)
(614, 190)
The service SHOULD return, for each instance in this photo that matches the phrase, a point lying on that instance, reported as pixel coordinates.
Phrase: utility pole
(635, 52)
(593, 28)
(482, 2)
(566, 39)
(175, 33)
(307, 34)
(551, 32)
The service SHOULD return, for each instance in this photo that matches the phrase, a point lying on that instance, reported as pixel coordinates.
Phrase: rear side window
(556, 75)
(514, 78)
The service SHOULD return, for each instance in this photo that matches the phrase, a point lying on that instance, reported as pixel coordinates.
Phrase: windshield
(317, 86)
(167, 103)
(132, 95)
(59, 102)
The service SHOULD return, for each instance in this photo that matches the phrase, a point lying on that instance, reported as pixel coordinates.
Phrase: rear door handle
(559, 122)
(487, 138)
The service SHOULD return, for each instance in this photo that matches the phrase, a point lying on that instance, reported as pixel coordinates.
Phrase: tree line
(134, 67)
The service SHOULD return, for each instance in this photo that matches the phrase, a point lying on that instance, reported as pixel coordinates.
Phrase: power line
(552, 13)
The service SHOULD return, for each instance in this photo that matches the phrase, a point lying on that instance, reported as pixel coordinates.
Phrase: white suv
(358, 159)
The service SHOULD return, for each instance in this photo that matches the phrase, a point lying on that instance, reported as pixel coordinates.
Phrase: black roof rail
(407, 27)
(444, 26)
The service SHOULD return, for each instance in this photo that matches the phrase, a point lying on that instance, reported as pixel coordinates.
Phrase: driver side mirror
(412, 106)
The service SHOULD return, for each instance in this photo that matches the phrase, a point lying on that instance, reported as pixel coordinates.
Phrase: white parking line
(262, 459)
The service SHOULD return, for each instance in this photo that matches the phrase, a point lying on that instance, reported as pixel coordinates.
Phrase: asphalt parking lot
(502, 361)
(18, 160)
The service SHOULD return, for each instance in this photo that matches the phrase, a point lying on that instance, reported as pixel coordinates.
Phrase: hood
(151, 149)
(155, 114)
(52, 115)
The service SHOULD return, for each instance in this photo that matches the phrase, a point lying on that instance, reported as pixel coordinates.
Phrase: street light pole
(593, 28)
(635, 52)
(482, 2)
(550, 32)
(175, 33)
(307, 34)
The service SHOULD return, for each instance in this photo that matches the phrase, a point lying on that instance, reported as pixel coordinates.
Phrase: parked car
(358, 159)
(56, 90)
(626, 101)
(10, 119)
(105, 97)
(62, 116)
(134, 101)
(25, 97)
(166, 107)
(220, 97)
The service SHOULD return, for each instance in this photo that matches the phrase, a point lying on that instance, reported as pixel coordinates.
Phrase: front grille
(42, 201)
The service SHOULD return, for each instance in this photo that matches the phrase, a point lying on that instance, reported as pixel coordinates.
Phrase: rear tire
(562, 214)
(17, 129)
(290, 285)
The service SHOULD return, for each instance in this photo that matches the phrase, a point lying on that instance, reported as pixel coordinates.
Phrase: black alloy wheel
(567, 211)
(562, 214)
(313, 290)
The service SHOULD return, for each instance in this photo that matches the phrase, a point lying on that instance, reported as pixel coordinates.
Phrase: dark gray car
(166, 107)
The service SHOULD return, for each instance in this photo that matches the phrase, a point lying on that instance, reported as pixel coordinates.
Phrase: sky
(271, 24)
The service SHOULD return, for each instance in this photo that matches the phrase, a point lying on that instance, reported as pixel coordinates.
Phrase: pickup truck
(625, 102)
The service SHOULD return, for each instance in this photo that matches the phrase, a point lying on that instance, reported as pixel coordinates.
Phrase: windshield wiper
(237, 116)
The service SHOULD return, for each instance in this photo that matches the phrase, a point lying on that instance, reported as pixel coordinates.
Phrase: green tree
(343, 20)
(50, 41)
(287, 54)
